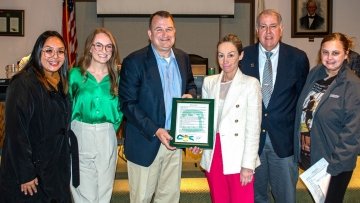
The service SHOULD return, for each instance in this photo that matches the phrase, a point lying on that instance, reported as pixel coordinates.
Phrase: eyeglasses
(50, 52)
(99, 47)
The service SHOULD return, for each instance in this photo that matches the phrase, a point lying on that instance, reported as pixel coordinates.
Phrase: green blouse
(91, 100)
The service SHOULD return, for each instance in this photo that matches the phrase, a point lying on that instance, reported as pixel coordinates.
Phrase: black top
(36, 142)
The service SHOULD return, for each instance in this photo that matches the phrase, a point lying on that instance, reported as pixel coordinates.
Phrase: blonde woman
(230, 165)
(96, 116)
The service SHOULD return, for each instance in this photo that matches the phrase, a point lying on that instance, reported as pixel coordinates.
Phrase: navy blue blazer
(278, 118)
(142, 101)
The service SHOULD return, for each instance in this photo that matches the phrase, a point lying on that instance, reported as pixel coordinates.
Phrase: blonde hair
(346, 41)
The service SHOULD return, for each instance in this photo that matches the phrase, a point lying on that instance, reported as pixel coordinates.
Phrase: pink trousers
(226, 188)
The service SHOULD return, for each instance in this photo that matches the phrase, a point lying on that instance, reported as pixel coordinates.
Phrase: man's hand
(30, 187)
(164, 138)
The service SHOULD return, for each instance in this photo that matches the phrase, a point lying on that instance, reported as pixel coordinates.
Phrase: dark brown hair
(163, 14)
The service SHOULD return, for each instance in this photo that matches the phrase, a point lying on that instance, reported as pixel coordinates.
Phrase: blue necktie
(267, 82)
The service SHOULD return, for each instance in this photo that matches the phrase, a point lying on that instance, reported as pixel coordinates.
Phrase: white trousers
(97, 157)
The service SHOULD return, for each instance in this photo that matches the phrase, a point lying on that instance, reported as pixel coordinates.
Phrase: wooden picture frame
(12, 22)
(319, 25)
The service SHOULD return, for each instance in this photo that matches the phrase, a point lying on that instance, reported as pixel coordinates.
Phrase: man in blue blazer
(289, 68)
(150, 78)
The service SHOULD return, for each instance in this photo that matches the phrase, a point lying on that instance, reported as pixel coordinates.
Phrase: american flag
(69, 30)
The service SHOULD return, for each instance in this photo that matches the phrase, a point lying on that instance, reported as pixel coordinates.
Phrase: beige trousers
(161, 180)
(97, 157)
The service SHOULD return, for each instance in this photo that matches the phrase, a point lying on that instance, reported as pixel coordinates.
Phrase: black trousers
(337, 187)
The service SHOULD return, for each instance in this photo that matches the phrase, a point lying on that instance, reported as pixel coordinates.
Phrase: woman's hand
(195, 150)
(187, 96)
(246, 176)
(30, 187)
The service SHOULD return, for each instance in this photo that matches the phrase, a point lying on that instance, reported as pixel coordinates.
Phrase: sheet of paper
(317, 180)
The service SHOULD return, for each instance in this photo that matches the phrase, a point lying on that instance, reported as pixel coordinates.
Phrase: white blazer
(240, 123)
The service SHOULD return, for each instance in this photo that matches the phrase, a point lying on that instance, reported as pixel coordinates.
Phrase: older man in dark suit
(150, 78)
(281, 70)
(312, 20)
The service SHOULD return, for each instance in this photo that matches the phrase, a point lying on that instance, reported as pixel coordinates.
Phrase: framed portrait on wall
(11, 22)
(311, 18)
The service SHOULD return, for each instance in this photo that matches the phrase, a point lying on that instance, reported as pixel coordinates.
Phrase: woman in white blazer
(230, 166)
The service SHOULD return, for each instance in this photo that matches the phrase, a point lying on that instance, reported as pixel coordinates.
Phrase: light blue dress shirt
(170, 80)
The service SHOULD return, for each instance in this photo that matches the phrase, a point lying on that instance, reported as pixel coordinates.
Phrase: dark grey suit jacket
(318, 21)
(335, 131)
(142, 101)
(278, 117)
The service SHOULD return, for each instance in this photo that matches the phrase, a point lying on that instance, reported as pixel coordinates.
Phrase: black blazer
(278, 118)
(142, 101)
(318, 21)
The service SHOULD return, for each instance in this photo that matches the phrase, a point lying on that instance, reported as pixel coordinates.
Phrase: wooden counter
(3, 85)
(2, 123)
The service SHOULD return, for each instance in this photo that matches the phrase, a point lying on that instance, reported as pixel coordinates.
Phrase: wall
(40, 15)
(346, 14)
(194, 35)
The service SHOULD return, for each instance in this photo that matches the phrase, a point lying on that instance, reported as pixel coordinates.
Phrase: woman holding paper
(230, 165)
(332, 131)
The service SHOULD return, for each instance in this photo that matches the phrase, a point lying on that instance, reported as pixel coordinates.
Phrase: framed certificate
(11, 22)
(192, 123)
